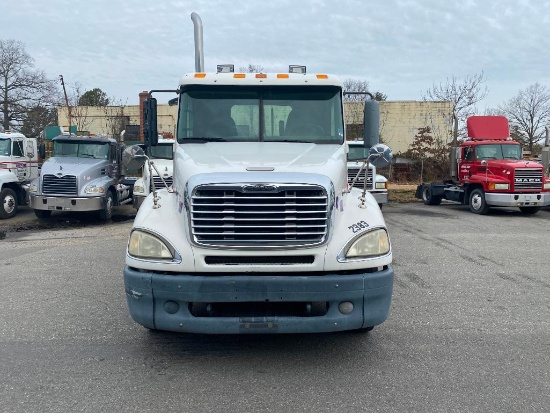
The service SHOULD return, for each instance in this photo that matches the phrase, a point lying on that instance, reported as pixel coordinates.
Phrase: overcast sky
(401, 47)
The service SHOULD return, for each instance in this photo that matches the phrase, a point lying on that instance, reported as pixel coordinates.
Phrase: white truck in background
(83, 174)
(161, 156)
(18, 167)
(357, 174)
(260, 231)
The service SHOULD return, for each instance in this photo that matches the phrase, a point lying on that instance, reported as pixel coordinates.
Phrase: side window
(468, 153)
(18, 148)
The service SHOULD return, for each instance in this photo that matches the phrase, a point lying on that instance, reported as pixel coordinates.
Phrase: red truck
(487, 170)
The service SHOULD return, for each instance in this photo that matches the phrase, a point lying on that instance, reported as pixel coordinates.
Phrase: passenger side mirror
(380, 155)
(42, 150)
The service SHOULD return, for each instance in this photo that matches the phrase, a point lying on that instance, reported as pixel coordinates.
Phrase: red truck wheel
(428, 198)
(477, 202)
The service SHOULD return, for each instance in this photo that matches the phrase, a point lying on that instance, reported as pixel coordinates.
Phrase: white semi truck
(260, 232)
(83, 174)
(18, 167)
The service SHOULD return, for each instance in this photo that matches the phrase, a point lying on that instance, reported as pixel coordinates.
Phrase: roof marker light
(296, 69)
(322, 76)
(261, 76)
(282, 76)
(200, 75)
(239, 75)
(228, 68)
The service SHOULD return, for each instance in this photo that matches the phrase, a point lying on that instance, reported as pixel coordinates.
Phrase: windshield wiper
(203, 139)
(290, 140)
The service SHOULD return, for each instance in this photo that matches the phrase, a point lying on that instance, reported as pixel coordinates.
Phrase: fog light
(171, 307)
(345, 307)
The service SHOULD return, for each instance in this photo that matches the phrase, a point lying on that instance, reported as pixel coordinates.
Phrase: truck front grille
(240, 216)
(158, 182)
(59, 185)
(352, 173)
(528, 179)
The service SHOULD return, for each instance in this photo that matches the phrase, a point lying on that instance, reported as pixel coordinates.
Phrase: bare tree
(358, 85)
(462, 94)
(22, 87)
(251, 69)
(528, 114)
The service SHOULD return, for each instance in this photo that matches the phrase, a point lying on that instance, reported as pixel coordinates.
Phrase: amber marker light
(200, 75)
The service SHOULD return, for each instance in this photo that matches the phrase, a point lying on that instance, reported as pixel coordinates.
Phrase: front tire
(427, 196)
(107, 211)
(8, 202)
(477, 202)
(529, 210)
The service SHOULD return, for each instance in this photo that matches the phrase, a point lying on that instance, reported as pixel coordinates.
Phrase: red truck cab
(491, 172)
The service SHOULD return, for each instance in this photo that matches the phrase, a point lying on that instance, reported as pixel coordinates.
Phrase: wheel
(42, 213)
(529, 210)
(107, 211)
(8, 199)
(427, 196)
(477, 202)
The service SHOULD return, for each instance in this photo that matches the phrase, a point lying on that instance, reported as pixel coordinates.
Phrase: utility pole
(67, 103)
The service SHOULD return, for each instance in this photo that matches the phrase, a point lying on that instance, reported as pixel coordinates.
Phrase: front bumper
(164, 302)
(518, 200)
(53, 203)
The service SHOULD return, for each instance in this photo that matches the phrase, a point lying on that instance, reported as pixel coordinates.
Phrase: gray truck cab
(83, 174)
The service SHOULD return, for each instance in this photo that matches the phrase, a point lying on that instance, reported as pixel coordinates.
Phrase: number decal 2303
(358, 226)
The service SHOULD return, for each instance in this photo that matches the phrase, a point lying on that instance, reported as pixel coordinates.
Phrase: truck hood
(505, 166)
(247, 156)
(72, 166)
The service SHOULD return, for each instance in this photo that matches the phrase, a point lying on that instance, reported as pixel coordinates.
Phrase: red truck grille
(528, 179)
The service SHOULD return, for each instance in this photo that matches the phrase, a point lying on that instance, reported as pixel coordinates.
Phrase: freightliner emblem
(259, 188)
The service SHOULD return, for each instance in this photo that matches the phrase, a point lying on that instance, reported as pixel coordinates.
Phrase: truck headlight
(33, 188)
(499, 187)
(94, 189)
(139, 189)
(369, 244)
(381, 185)
(547, 185)
(146, 245)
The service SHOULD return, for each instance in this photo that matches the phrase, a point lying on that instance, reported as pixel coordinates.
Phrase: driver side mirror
(150, 130)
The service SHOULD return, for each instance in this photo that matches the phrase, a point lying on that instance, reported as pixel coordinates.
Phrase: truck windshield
(95, 150)
(251, 113)
(498, 151)
(357, 152)
(5, 147)
(161, 151)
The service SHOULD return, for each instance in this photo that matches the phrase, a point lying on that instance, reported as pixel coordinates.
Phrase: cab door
(466, 163)
(20, 163)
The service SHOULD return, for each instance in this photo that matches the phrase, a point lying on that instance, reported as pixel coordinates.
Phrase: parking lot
(469, 328)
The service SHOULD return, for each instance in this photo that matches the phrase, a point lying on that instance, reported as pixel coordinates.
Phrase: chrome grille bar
(59, 185)
(352, 173)
(288, 214)
(528, 179)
